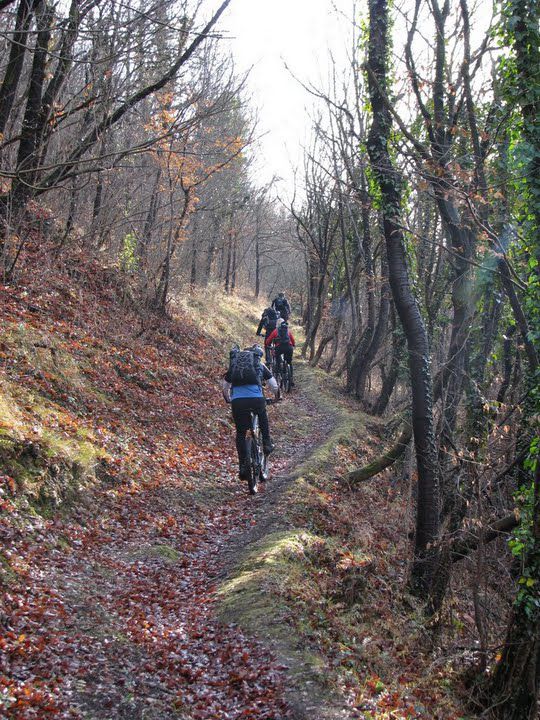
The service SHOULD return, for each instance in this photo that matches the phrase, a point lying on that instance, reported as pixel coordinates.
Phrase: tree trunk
(427, 520)
(228, 267)
(27, 157)
(391, 376)
(14, 66)
(193, 272)
(515, 687)
(376, 338)
(144, 241)
(507, 363)
(234, 264)
(257, 266)
(519, 315)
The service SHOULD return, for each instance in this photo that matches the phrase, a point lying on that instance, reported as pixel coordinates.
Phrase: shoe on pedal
(268, 447)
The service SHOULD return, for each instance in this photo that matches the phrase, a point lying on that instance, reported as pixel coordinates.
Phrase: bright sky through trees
(268, 36)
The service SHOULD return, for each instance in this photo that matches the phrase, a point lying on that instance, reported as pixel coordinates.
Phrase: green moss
(258, 596)
(8, 576)
(63, 543)
(79, 452)
(162, 552)
(254, 595)
(45, 353)
(7, 442)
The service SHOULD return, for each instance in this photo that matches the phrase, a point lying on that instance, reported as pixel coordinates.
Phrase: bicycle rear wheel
(287, 377)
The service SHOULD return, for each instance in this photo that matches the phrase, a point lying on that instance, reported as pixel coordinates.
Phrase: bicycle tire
(278, 377)
(262, 459)
(253, 475)
(287, 378)
(263, 476)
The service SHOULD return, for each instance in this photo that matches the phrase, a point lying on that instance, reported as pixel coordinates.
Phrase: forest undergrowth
(139, 580)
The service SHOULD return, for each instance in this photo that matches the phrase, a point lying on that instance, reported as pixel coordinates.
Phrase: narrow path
(298, 427)
(120, 619)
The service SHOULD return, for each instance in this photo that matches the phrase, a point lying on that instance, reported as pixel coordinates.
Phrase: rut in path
(121, 613)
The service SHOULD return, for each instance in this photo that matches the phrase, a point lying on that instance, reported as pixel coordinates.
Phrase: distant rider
(284, 343)
(242, 387)
(282, 306)
(268, 321)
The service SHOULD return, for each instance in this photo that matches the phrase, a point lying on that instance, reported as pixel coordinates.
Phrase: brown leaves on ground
(109, 612)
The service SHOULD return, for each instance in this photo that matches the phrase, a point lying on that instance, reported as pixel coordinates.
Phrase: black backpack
(244, 368)
(283, 334)
(271, 318)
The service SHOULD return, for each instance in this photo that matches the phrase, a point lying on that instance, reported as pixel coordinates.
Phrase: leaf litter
(109, 610)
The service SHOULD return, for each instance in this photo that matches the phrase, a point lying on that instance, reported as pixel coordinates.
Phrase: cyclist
(284, 343)
(268, 321)
(282, 305)
(242, 387)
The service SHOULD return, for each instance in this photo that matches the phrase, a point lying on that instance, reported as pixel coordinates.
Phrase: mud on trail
(136, 609)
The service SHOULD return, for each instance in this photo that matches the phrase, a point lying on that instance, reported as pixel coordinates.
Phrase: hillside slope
(102, 413)
(140, 579)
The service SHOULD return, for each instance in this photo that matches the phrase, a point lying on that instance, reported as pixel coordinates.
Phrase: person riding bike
(284, 343)
(242, 387)
(281, 305)
(268, 321)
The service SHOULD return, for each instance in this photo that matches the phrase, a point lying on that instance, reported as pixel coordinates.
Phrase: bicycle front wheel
(253, 476)
(262, 459)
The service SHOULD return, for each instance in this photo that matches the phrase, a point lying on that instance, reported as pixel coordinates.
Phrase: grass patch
(8, 576)
(227, 319)
(160, 552)
(257, 596)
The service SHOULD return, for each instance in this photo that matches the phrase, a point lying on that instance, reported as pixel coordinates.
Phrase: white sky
(266, 34)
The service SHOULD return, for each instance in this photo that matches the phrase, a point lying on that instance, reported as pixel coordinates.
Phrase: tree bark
(383, 461)
(15, 62)
(23, 185)
(391, 376)
(427, 520)
(515, 688)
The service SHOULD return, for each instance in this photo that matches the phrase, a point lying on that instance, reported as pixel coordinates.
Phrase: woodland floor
(129, 606)
(121, 515)
(139, 579)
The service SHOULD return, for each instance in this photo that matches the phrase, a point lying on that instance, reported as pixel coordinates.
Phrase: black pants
(241, 412)
(284, 352)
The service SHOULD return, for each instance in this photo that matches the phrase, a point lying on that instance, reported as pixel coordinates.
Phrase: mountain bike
(282, 371)
(257, 460)
(286, 375)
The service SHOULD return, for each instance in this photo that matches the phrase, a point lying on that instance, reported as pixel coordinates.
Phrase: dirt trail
(298, 427)
(125, 619)
(307, 422)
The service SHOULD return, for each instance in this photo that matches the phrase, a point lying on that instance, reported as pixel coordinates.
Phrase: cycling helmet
(256, 350)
